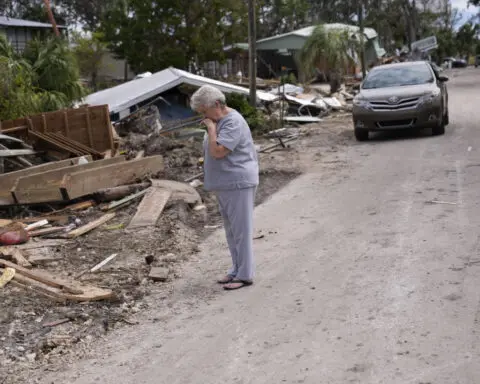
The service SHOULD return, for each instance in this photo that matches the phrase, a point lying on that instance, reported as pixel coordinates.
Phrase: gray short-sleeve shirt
(238, 169)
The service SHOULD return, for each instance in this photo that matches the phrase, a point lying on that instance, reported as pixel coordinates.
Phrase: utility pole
(252, 52)
(362, 38)
(50, 16)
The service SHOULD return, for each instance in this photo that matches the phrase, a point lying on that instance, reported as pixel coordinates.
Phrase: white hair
(207, 96)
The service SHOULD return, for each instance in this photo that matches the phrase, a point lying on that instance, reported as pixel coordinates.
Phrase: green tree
(330, 49)
(466, 39)
(152, 36)
(89, 52)
(44, 78)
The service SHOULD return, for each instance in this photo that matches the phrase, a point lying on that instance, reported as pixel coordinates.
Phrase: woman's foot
(226, 279)
(237, 284)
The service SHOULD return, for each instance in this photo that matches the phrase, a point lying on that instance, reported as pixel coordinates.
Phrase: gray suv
(401, 96)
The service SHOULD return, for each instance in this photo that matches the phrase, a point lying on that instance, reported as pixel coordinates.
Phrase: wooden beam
(15, 129)
(109, 128)
(53, 143)
(89, 181)
(89, 293)
(150, 208)
(89, 127)
(38, 277)
(16, 152)
(46, 186)
(77, 145)
(90, 226)
(8, 180)
(65, 121)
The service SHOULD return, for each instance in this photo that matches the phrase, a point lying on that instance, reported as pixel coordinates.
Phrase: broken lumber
(61, 219)
(98, 266)
(86, 182)
(126, 200)
(46, 186)
(90, 226)
(16, 255)
(89, 293)
(6, 276)
(5, 222)
(36, 225)
(150, 208)
(8, 180)
(52, 143)
(37, 277)
(115, 193)
(46, 231)
(80, 206)
(16, 152)
(180, 191)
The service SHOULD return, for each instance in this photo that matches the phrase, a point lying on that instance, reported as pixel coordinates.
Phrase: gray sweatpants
(236, 207)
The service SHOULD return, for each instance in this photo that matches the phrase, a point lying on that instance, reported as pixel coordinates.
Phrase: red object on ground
(13, 234)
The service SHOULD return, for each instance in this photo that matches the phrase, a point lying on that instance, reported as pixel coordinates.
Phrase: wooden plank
(120, 203)
(90, 226)
(65, 122)
(16, 152)
(53, 137)
(44, 123)
(8, 180)
(16, 255)
(89, 127)
(7, 275)
(32, 274)
(46, 186)
(62, 219)
(53, 143)
(77, 145)
(46, 231)
(86, 182)
(109, 127)
(116, 193)
(150, 208)
(89, 293)
(23, 128)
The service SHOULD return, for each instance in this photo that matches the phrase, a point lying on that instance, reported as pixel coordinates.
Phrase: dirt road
(361, 278)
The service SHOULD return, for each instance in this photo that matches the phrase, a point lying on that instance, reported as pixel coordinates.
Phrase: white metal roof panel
(10, 22)
(123, 96)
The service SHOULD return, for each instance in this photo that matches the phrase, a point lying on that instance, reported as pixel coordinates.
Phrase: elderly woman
(231, 172)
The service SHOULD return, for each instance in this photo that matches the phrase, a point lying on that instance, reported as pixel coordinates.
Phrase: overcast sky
(467, 12)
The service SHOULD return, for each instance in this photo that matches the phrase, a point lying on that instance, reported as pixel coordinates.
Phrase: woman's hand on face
(211, 126)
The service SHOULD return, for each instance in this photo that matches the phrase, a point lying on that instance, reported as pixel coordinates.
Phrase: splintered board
(86, 182)
(89, 126)
(8, 180)
(46, 186)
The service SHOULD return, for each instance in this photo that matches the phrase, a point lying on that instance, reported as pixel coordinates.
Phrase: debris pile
(102, 214)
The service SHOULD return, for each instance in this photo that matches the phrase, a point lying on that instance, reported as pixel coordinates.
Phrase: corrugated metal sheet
(121, 97)
(10, 22)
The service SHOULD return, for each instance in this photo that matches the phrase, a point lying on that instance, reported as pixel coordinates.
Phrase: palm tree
(330, 50)
(43, 78)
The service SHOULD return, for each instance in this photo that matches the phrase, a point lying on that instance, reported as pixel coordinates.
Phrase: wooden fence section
(89, 126)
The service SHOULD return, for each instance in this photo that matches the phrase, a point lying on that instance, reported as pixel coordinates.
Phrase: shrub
(252, 115)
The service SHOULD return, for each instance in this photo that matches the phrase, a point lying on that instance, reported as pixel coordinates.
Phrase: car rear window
(398, 76)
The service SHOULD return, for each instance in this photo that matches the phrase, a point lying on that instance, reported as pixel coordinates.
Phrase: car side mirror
(443, 78)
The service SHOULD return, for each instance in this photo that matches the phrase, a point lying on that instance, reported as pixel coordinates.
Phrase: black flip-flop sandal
(226, 280)
(237, 284)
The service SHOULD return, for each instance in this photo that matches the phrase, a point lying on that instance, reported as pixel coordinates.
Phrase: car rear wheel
(361, 134)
